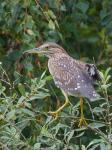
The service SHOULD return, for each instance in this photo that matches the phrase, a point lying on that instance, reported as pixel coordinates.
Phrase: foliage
(27, 92)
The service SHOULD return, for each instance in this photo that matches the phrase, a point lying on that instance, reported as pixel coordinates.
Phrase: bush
(27, 91)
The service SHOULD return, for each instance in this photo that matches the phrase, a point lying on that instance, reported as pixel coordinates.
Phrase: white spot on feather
(78, 87)
(78, 76)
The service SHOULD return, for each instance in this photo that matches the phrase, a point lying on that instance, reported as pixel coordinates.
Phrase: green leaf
(2, 90)
(45, 132)
(83, 147)
(51, 14)
(83, 6)
(21, 99)
(106, 86)
(40, 95)
(70, 136)
(21, 89)
(28, 112)
(108, 78)
(58, 127)
(30, 32)
(96, 125)
(48, 78)
(43, 74)
(107, 72)
(29, 67)
(51, 25)
(37, 145)
(95, 141)
(94, 147)
(80, 134)
(103, 146)
(98, 110)
(11, 114)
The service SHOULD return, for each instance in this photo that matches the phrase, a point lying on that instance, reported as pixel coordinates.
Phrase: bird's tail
(93, 72)
(95, 97)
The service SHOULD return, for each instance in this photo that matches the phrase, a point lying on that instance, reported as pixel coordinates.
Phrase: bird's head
(48, 49)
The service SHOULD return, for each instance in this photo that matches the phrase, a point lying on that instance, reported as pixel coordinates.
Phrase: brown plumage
(72, 76)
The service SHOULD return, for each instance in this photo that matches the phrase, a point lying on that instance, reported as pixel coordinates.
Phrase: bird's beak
(35, 51)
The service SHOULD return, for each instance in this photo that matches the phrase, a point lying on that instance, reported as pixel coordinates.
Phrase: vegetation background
(27, 91)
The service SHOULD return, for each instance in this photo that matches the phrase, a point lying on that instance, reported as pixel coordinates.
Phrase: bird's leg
(82, 120)
(55, 113)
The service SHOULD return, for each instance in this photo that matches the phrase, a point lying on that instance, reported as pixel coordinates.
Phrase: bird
(72, 76)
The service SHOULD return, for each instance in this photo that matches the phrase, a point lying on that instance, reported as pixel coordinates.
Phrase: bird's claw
(82, 122)
(54, 114)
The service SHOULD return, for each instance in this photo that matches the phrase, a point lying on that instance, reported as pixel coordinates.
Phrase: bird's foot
(82, 122)
(54, 114)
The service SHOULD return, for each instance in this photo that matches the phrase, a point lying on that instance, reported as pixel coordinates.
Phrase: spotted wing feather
(71, 78)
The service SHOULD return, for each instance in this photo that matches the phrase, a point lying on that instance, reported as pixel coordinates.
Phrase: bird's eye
(46, 48)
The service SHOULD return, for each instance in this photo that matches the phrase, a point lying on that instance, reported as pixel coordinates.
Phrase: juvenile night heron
(72, 76)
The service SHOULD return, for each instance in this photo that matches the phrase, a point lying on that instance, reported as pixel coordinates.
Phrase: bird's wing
(71, 78)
